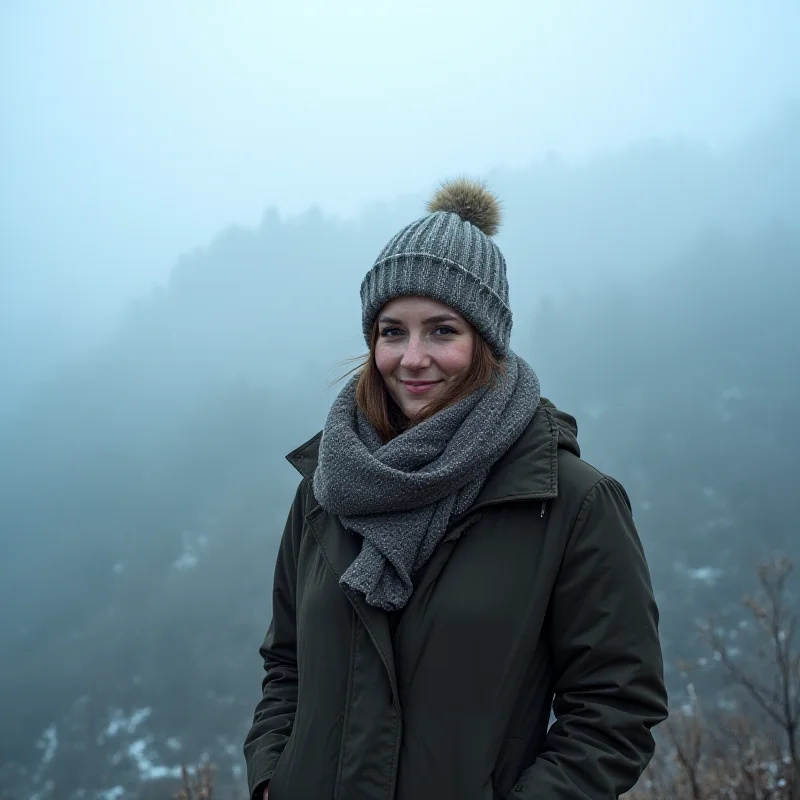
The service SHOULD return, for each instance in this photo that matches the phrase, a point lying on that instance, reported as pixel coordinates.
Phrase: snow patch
(119, 723)
(185, 562)
(707, 575)
(192, 545)
(148, 769)
(48, 743)
(47, 789)
(114, 793)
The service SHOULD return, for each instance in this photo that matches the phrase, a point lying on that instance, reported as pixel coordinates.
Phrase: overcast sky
(134, 131)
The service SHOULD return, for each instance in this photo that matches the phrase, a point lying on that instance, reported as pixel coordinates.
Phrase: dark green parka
(538, 595)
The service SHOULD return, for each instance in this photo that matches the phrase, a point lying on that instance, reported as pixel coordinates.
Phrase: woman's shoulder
(577, 477)
(576, 474)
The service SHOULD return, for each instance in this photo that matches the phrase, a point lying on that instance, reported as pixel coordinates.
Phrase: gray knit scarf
(400, 496)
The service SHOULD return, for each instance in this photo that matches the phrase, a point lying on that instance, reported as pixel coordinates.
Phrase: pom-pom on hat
(448, 255)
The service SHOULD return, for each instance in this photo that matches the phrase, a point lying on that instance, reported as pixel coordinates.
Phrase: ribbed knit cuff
(426, 275)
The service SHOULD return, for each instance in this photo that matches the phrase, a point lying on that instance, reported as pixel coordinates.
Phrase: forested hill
(143, 490)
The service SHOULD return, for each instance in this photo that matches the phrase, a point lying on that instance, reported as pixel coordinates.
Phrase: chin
(416, 408)
(412, 411)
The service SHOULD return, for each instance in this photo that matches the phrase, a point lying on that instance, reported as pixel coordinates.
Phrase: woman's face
(423, 346)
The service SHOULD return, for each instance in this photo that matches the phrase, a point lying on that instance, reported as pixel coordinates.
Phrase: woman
(451, 570)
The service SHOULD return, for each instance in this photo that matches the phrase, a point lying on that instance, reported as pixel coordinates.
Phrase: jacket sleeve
(275, 712)
(609, 678)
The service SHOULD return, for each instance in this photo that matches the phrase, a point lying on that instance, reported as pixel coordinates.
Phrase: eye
(444, 330)
(391, 332)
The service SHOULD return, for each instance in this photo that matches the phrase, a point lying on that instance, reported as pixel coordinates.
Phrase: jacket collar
(528, 471)
(304, 458)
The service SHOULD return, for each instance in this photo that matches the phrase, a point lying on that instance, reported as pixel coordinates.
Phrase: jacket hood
(528, 471)
(567, 427)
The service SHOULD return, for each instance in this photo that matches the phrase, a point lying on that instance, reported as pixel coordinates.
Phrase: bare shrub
(199, 787)
(750, 753)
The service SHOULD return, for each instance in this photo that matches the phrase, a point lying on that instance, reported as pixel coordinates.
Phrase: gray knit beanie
(449, 256)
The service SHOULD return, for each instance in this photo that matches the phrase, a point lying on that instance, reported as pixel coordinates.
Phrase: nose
(415, 355)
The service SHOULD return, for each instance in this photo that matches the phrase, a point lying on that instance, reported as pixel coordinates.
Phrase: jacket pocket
(275, 782)
(508, 767)
(489, 792)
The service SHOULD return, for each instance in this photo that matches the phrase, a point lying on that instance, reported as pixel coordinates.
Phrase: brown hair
(380, 409)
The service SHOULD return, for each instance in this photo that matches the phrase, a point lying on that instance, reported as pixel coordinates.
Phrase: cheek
(457, 359)
(385, 360)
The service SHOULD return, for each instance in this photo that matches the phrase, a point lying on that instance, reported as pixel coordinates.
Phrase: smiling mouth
(418, 387)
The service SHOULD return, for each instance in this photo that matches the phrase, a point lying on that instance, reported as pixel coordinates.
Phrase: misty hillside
(143, 491)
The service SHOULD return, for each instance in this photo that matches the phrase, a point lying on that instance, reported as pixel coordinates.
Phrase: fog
(133, 132)
(191, 195)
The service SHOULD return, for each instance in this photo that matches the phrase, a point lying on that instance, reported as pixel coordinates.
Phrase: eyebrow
(429, 321)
